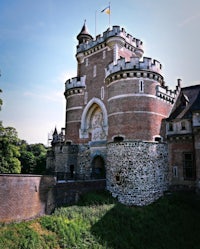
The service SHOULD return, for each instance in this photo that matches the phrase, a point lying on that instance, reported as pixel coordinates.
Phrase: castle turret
(84, 36)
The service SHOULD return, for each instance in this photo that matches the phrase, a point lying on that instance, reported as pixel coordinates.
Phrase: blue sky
(38, 46)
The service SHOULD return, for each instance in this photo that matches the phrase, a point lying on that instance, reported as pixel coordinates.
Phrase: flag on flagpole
(106, 10)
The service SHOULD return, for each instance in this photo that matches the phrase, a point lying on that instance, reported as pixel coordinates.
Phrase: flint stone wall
(85, 157)
(137, 172)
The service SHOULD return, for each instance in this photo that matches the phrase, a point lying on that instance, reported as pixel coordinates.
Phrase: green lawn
(98, 221)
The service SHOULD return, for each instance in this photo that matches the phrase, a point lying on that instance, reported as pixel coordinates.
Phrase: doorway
(98, 168)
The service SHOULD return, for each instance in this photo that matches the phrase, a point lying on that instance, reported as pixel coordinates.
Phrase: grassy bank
(98, 221)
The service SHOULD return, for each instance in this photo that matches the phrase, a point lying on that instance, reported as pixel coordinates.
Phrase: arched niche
(94, 121)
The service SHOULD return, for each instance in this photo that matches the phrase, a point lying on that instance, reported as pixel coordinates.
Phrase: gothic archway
(98, 168)
(94, 121)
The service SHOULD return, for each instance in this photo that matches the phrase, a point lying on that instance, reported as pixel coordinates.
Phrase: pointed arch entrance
(98, 168)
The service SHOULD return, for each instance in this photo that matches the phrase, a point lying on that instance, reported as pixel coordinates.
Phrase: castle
(124, 124)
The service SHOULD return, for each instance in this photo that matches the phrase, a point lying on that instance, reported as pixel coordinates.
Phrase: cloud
(50, 96)
(63, 76)
(189, 19)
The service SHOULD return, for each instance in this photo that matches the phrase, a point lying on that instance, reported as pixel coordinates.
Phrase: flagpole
(95, 23)
(109, 14)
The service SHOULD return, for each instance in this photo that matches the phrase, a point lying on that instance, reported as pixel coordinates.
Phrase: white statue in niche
(97, 127)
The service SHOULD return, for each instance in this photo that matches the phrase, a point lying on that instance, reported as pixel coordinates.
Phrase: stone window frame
(102, 92)
(85, 97)
(86, 62)
(94, 71)
(104, 54)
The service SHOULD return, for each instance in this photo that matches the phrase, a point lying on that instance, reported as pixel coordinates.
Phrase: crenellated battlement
(76, 82)
(116, 31)
(167, 94)
(134, 64)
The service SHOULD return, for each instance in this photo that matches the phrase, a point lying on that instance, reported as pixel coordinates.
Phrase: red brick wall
(24, 197)
(133, 114)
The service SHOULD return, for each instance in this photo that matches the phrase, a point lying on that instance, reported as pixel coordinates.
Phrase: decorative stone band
(143, 112)
(125, 74)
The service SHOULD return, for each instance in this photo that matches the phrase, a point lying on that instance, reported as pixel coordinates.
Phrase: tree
(1, 101)
(33, 158)
(9, 150)
(17, 156)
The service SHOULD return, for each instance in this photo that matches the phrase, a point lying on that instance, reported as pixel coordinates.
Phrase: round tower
(135, 108)
(138, 101)
(74, 94)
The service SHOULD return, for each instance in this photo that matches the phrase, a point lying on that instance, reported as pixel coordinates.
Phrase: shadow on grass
(171, 222)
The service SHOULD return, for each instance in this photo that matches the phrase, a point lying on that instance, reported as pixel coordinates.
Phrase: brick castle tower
(115, 109)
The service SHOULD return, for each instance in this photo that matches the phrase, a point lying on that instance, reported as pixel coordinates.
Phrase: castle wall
(85, 157)
(137, 172)
(25, 197)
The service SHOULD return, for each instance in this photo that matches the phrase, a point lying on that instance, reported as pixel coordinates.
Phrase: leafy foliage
(16, 156)
(170, 223)
(9, 150)
(1, 101)
(33, 158)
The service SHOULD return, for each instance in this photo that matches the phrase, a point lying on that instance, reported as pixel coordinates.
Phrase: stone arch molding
(94, 121)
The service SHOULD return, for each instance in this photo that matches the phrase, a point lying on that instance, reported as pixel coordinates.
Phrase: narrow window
(94, 71)
(188, 166)
(102, 93)
(170, 127)
(141, 86)
(183, 126)
(86, 98)
(104, 54)
(86, 62)
(175, 171)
